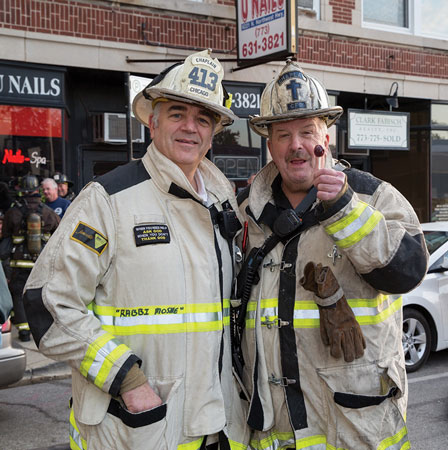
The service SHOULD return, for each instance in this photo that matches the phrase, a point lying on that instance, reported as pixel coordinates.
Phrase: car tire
(416, 339)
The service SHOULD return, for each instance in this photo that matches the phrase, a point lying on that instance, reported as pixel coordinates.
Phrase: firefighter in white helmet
(133, 290)
(328, 251)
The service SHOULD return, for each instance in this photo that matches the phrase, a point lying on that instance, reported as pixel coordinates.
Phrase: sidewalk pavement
(39, 369)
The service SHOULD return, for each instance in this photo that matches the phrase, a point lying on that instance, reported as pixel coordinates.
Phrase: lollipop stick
(319, 152)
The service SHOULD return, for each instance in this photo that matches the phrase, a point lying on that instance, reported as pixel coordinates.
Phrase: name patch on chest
(151, 234)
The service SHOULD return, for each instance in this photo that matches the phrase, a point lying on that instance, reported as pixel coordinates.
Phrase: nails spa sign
(25, 85)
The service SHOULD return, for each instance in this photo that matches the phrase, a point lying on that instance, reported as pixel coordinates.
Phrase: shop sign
(378, 130)
(245, 98)
(266, 29)
(21, 85)
(18, 158)
(237, 167)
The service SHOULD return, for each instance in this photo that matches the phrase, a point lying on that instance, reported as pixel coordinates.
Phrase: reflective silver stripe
(312, 312)
(269, 312)
(354, 226)
(76, 440)
(306, 313)
(272, 442)
(18, 239)
(163, 319)
(399, 441)
(21, 264)
(97, 363)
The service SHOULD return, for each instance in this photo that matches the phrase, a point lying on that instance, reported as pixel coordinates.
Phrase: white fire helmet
(293, 95)
(198, 80)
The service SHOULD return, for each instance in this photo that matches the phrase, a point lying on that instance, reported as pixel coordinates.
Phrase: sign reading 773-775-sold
(379, 130)
(266, 29)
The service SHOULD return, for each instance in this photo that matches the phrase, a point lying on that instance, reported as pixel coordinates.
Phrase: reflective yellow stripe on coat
(306, 312)
(163, 319)
(277, 441)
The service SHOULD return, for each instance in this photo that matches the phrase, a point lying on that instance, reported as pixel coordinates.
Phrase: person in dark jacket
(26, 228)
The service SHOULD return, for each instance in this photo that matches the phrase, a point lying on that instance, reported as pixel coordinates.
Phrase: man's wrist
(133, 379)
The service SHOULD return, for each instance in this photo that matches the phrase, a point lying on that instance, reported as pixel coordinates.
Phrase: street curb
(55, 447)
(55, 371)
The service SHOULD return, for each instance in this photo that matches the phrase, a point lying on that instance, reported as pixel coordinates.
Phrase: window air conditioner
(111, 127)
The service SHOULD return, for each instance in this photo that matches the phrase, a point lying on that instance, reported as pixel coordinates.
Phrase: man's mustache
(298, 154)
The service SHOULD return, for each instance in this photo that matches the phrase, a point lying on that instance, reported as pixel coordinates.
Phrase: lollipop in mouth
(319, 151)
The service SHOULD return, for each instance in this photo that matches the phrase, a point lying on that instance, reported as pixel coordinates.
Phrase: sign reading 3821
(262, 28)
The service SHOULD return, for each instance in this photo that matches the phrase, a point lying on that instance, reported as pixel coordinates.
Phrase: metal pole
(127, 85)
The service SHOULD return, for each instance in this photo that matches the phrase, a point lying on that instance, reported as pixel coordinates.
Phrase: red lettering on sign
(10, 157)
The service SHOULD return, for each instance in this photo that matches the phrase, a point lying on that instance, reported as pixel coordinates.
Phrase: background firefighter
(27, 226)
(337, 382)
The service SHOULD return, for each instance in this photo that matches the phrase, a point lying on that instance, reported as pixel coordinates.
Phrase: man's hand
(141, 399)
(330, 184)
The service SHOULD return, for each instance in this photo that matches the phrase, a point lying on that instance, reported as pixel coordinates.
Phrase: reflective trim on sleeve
(101, 355)
(18, 239)
(164, 319)
(355, 226)
(76, 440)
(274, 441)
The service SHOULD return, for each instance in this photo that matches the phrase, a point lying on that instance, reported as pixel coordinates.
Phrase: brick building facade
(91, 47)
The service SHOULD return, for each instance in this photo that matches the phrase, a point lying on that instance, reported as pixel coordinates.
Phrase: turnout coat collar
(166, 174)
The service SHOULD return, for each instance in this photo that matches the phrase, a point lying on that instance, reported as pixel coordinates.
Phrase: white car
(12, 360)
(425, 308)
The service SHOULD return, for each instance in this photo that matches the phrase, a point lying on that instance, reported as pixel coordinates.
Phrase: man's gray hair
(51, 181)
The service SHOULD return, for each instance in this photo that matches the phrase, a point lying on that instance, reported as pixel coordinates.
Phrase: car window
(440, 265)
(435, 239)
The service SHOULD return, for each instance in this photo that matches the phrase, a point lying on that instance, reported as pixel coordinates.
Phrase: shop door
(95, 162)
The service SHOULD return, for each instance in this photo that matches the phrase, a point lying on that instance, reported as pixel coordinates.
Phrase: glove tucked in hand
(338, 326)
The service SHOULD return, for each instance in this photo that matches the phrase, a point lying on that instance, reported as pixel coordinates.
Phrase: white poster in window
(379, 130)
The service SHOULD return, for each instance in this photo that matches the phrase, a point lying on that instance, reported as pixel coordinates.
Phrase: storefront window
(439, 172)
(30, 141)
(439, 115)
(237, 151)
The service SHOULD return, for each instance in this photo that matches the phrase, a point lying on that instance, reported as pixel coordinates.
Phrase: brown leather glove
(338, 326)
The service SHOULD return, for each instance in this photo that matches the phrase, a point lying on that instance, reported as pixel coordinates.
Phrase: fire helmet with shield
(62, 178)
(28, 183)
(293, 95)
(198, 80)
